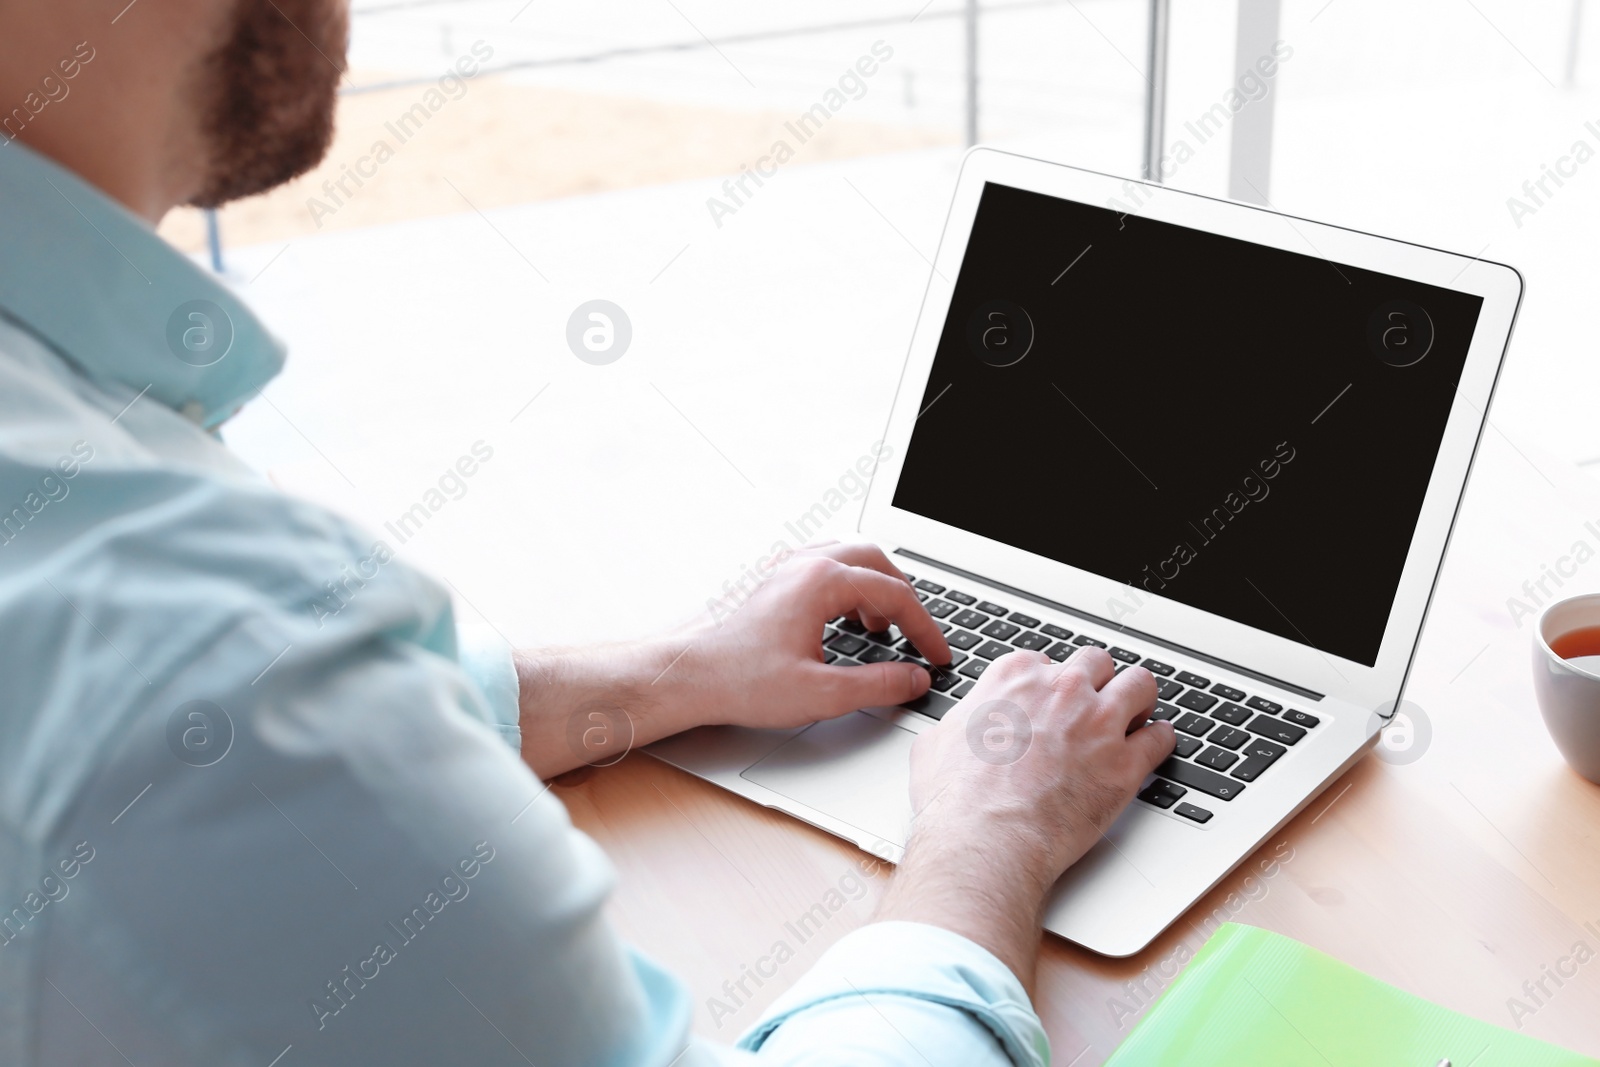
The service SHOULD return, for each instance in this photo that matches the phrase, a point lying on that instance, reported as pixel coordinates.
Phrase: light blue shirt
(255, 805)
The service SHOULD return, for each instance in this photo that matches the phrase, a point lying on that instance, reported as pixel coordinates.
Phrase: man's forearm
(592, 705)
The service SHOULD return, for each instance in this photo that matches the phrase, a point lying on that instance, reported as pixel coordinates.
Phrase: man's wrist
(1001, 865)
(591, 706)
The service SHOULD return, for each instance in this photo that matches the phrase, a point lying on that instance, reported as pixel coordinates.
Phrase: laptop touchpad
(856, 768)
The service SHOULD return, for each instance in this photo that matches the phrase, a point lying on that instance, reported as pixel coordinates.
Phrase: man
(240, 830)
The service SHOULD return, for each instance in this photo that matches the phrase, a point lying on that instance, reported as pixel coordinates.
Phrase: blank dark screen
(1242, 429)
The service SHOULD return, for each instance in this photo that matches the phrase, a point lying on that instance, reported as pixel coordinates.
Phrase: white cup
(1568, 691)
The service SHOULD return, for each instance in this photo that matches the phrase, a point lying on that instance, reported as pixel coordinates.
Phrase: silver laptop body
(1275, 417)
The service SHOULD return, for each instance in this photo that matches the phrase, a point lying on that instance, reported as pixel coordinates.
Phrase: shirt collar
(96, 283)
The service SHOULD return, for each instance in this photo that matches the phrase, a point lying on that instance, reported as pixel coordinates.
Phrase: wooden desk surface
(1459, 876)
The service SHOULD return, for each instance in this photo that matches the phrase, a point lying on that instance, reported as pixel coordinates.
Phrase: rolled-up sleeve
(486, 659)
(902, 993)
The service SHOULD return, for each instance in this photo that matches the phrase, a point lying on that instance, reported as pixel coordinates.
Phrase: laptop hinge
(1299, 690)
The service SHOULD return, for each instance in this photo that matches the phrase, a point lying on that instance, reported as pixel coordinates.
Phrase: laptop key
(1190, 723)
(1196, 777)
(1229, 738)
(934, 705)
(1187, 746)
(1156, 667)
(991, 650)
(1167, 689)
(1300, 718)
(1195, 700)
(1085, 639)
(847, 644)
(1060, 651)
(846, 661)
(1230, 712)
(969, 619)
(1124, 655)
(1190, 678)
(1052, 630)
(1189, 811)
(921, 595)
(851, 626)
(974, 668)
(1162, 794)
(1258, 756)
(1261, 704)
(1218, 759)
(829, 657)
(962, 639)
(1001, 630)
(991, 607)
(930, 587)
(1164, 711)
(1030, 641)
(944, 680)
(1022, 620)
(878, 654)
(1227, 692)
(940, 608)
(961, 690)
(966, 599)
(1280, 731)
(911, 650)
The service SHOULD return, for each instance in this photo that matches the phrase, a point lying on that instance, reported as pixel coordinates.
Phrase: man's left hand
(764, 665)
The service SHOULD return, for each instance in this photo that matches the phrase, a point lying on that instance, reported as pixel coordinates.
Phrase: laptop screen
(1242, 429)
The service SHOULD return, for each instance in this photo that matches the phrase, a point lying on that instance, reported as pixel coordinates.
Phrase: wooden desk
(1458, 876)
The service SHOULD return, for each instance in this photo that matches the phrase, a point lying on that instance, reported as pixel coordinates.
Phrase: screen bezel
(1500, 287)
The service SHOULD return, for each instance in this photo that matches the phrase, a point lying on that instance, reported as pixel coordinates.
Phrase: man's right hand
(1014, 785)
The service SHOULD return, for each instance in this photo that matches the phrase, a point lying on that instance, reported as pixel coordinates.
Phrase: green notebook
(1253, 998)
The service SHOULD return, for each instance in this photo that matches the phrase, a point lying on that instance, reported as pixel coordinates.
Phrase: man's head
(185, 101)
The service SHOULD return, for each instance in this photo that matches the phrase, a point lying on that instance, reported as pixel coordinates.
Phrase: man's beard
(269, 93)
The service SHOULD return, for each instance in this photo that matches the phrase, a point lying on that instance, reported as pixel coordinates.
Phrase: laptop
(1215, 440)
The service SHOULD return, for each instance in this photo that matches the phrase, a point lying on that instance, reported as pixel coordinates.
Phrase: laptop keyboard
(1227, 738)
